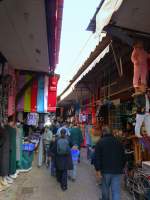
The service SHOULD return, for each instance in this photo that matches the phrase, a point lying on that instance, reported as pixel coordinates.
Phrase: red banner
(34, 91)
(52, 93)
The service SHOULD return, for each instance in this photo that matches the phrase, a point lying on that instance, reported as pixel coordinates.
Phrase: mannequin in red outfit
(139, 58)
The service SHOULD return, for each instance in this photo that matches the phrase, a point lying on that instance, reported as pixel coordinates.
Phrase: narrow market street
(74, 100)
(39, 185)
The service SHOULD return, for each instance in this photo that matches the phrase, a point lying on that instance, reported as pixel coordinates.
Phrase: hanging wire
(82, 49)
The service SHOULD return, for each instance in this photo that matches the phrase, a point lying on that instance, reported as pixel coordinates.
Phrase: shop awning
(131, 15)
(105, 13)
(99, 52)
(30, 33)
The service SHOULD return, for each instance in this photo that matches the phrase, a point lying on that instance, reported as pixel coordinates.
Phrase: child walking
(75, 156)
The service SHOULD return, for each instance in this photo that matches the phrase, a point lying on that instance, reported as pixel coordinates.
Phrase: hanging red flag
(52, 93)
(34, 91)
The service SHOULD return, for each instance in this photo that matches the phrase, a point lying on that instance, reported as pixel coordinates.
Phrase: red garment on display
(34, 91)
(139, 58)
(52, 93)
(93, 111)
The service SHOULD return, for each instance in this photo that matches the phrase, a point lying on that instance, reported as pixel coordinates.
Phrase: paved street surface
(39, 185)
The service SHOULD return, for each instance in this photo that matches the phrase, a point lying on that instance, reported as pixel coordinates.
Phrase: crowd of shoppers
(61, 147)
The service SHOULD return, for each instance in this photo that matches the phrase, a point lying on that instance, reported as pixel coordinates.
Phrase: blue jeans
(88, 152)
(46, 148)
(113, 182)
(52, 168)
(73, 173)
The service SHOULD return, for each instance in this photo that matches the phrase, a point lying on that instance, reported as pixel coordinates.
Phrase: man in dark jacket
(63, 160)
(76, 136)
(110, 161)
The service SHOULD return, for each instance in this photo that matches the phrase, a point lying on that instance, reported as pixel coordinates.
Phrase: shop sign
(52, 94)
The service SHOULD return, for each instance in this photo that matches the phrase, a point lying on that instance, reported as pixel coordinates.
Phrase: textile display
(93, 111)
(11, 93)
(80, 117)
(139, 58)
(77, 108)
(19, 137)
(139, 121)
(52, 93)
(12, 149)
(46, 80)
(4, 88)
(20, 116)
(4, 152)
(40, 154)
(40, 96)
(27, 97)
(21, 82)
(34, 92)
(27, 158)
(33, 119)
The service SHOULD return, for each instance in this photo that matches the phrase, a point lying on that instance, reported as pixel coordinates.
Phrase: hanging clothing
(20, 116)
(33, 119)
(12, 149)
(40, 155)
(27, 96)
(27, 159)
(19, 137)
(88, 135)
(143, 114)
(40, 95)
(46, 81)
(139, 58)
(21, 81)
(139, 121)
(4, 152)
(34, 92)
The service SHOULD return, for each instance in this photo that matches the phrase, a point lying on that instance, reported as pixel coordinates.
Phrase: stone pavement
(39, 185)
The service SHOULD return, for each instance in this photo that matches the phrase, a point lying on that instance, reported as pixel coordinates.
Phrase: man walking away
(47, 137)
(76, 137)
(62, 153)
(110, 161)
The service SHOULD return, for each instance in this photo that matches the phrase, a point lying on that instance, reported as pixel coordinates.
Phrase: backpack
(63, 147)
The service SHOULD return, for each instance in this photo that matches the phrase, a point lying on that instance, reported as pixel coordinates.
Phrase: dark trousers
(88, 152)
(53, 169)
(62, 177)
